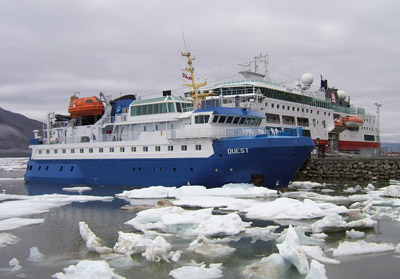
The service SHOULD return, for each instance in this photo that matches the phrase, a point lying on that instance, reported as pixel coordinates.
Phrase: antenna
(184, 41)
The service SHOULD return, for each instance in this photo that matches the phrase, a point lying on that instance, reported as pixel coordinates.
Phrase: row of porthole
(47, 168)
(174, 169)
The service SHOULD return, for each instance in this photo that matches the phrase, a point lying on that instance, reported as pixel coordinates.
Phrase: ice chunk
(203, 246)
(80, 190)
(304, 185)
(286, 208)
(130, 243)
(7, 239)
(392, 191)
(317, 271)
(361, 247)
(153, 192)
(329, 222)
(14, 223)
(291, 250)
(197, 272)
(188, 222)
(88, 269)
(355, 234)
(272, 267)
(93, 243)
(318, 254)
(157, 250)
(35, 255)
(15, 264)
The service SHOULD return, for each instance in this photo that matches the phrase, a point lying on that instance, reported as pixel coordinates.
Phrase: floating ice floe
(7, 239)
(347, 248)
(304, 185)
(35, 255)
(198, 272)
(291, 250)
(188, 222)
(286, 208)
(228, 190)
(80, 190)
(272, 267)
(93, 243)
(391, 191)
(88, 269)
(15, 264)
(130, 243)
(335, 222)
(14, 223)
(316, 252)
(204, 247)
(355, 234)
(317, 271)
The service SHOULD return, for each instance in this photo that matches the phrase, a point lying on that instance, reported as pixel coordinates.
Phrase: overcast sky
(50, 49)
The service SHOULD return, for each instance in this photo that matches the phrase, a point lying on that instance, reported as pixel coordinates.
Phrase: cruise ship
(167, 140)
(325, 114)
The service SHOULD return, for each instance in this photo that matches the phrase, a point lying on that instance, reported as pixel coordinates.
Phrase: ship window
(89, 101)
(47, 168)
(200, 119)
(178, 107)
(283, 106)
(72, 151)
(81, 150)
(170, 148)
(122, 149)
(145, 148)
(61, 168)
(184, 147)
(39, 168)
(172, 126)
(277, 106)
(272, 105)
(64, 151)
(198, 146)
(215, 119)
(242, 120)
(40, 151)
(133, 148)
(158, 148)
(144, 128)
(156, 127)
(90, 150)
(55, 151)
(236, 120)
(111, 149)
(71, 169)
(171, 107)
(47, 151)
(30, 167)
(222, 119)
(229, 119)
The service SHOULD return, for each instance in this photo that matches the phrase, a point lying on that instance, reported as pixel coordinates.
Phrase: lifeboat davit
(339, 126)
(352, 121)
(85, 106)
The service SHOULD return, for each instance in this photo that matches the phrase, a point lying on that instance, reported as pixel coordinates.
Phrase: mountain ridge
(15, 132)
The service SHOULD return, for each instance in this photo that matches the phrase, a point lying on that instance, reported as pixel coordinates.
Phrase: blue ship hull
(269, 161)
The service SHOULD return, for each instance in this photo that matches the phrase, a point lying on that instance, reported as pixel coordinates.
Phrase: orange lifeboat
(85, 106)
(352, 121)
(339, 126)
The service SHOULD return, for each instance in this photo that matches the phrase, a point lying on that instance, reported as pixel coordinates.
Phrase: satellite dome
(307, 79)
(341, 94)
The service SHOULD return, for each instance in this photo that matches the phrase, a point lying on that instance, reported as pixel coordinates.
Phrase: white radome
(307, 79)
(341, 94)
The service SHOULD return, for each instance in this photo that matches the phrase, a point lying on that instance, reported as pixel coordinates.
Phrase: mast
(192, 85)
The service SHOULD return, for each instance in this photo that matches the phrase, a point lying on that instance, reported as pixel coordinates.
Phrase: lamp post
(379, 129)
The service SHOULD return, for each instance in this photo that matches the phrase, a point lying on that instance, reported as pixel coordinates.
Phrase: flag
(185, 76)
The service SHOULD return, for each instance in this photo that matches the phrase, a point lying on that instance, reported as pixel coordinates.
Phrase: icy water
(58, 237)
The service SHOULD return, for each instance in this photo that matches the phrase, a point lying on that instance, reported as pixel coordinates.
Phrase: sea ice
(15, 264)
(318, 254)
(347, 248)
(88, 270)
(272, 267)
(286, 208)
(197, 272)
(35, 255)
(93, 243)
(80, 190)
(188, 222)
(157, 250)
(291, 250)
(7, 239)
(392, 191)
(355, 234)
(317, 271)
(203, 246)
(304, 185)
(14, 223)
(130, 243)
